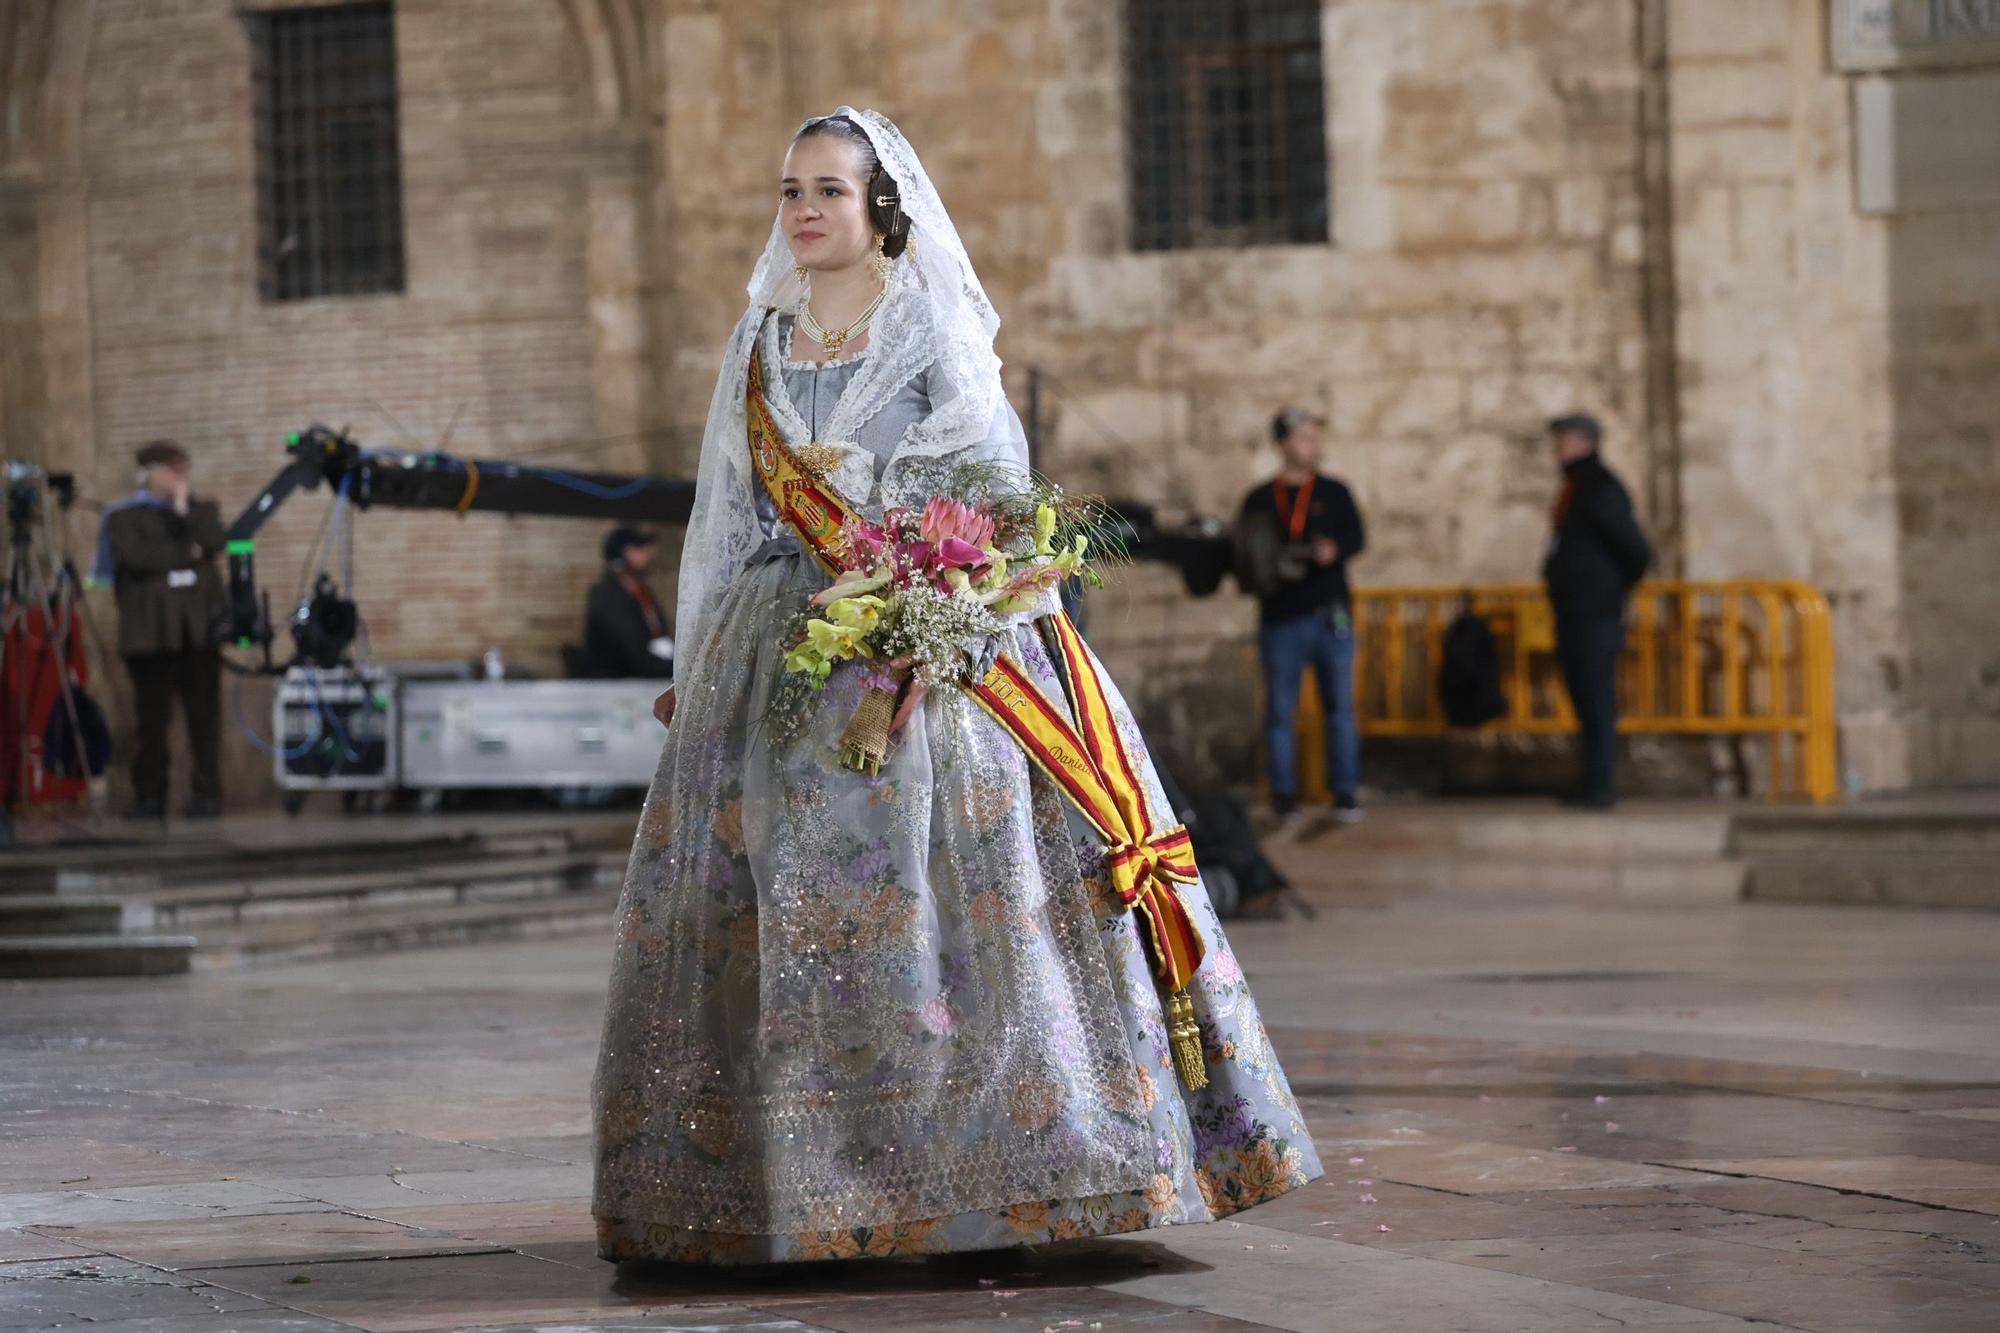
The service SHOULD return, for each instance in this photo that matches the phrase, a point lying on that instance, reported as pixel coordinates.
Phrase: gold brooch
(817, 460)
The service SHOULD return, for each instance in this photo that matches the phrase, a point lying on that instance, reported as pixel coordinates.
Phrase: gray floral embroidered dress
(899, 1014)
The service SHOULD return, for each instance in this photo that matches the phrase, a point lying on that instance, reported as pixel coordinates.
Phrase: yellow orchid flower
(1070, 561)
(826, 638)
(807, 661)
(861, 614)
(1045, 529)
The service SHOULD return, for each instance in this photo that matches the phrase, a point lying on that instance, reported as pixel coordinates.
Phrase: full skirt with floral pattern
(857, 1015)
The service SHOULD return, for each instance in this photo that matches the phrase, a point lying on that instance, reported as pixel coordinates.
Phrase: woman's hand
(913, 699)
(663, 707)
(913, 695)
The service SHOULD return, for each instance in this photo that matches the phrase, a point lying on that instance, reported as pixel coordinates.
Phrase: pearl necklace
(835, 339)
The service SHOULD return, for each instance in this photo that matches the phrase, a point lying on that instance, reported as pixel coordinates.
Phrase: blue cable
(573, 482)
(267, 747)
(630, 488)
(339, 732)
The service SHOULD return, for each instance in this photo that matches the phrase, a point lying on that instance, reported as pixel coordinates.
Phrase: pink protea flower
(944, 519)
(956, 553)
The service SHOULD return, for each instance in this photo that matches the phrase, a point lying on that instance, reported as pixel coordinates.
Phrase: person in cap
(1295, 537)
(624, 630)
(157, 550)
(1596, 553)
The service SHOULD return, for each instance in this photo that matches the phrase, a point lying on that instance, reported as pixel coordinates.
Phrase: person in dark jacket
(1596, 553)
(1294, 537)
(624, 630)
(158, 549)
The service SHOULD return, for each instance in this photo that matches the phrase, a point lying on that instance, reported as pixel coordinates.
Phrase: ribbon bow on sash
(1092, 765)
(1088, 760)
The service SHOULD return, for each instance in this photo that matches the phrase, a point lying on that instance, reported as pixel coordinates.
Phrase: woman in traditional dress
(909, 1011)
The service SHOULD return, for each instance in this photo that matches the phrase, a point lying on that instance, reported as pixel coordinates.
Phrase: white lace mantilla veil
(937, 319)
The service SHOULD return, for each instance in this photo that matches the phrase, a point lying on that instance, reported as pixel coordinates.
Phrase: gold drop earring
(882, 260)
(800, 272)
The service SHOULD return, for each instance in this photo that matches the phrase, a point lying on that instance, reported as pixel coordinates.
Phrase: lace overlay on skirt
(900, 1009)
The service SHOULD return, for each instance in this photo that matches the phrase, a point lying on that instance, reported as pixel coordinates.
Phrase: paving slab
(108, 1203)
(230, 1242)
(508, 1182)
(1296, 1282)
(447, 1291)
(736, 1319)
(516, 1224)
(17, 1246)
(1755, 1117)
(73, 1292)
(1748, 1280)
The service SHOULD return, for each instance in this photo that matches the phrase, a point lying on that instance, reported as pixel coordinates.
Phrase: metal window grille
(1226, 118)
(329, 165)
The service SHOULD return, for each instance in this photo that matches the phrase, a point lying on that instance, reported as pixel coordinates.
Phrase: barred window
(1227, 123)
(329, 165)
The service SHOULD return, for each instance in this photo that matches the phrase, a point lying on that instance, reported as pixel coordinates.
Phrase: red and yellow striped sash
(1082, 751)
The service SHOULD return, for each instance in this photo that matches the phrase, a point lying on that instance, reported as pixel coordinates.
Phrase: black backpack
(1469, 676)
(1232, 865)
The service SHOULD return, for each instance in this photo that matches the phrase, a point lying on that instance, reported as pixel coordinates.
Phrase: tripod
(38, 629)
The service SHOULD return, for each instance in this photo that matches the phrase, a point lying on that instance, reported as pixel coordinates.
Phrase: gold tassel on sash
(1184, 1038)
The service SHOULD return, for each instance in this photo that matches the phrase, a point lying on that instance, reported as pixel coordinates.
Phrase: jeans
(1325, 642)
(1588, 646)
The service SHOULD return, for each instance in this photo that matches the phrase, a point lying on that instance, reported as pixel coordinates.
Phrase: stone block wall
(1483, 274)
(1840, 389)
(588, 182)
(493, 349)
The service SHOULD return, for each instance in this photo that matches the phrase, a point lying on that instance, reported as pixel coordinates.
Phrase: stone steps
(348, 888)
(1967, 881)
(1517, 852)
(480, 878)
(47, 914)
(1861, 828)
(1888, 854)
(128, 868)
(301, 938)
(1541, 829)
(51, 956)
(1370, 876)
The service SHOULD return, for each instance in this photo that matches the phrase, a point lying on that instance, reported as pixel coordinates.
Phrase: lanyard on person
(1292, 512)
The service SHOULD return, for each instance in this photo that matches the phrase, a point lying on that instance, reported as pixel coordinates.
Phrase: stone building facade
(1659, 210)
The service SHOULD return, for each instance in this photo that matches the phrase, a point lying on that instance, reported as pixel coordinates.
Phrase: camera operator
(624, 629)
(157, 549)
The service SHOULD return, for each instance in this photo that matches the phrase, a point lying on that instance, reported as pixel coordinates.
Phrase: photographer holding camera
(157, 549)
(1295, 536)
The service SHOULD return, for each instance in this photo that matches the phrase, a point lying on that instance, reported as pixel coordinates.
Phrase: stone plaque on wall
(1915, 34)
(1927, 141)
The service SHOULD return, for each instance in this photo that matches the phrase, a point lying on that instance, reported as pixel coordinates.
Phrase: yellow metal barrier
(1702, 658)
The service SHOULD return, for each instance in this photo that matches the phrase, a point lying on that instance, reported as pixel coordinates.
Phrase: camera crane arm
(445, 482)
(426, 481)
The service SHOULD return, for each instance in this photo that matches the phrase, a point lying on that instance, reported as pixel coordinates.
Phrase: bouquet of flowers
(924, 591)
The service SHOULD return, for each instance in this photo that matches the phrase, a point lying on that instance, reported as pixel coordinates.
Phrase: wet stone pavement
(1535, 1118)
